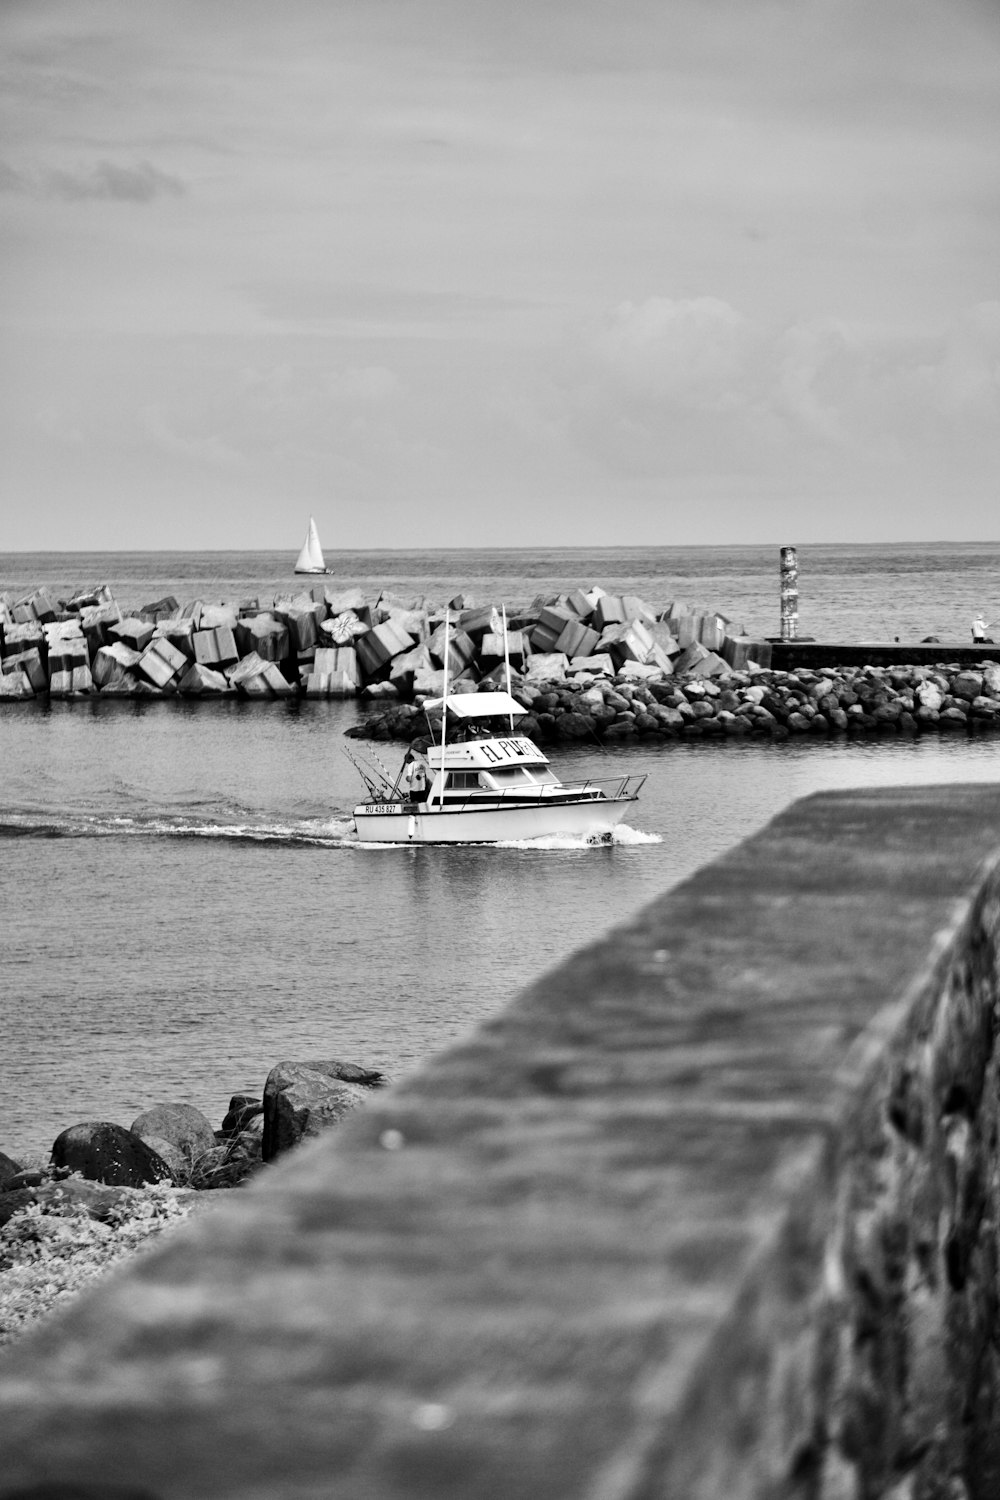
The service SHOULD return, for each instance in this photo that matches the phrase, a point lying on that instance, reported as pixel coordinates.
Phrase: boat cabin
(487, 765)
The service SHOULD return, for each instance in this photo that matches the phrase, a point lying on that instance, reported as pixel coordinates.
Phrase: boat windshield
(521, 776)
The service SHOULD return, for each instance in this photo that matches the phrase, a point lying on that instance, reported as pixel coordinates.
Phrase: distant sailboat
(310, 559)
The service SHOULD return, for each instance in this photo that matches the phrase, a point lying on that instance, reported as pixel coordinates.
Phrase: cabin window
(463, 780)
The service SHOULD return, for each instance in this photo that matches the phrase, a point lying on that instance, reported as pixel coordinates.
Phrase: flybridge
(479, 706)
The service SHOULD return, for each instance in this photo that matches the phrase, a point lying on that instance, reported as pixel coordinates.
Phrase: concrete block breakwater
(587, 664)
(335, 643)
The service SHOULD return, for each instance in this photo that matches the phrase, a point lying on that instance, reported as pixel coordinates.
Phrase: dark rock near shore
(103, 1152)
(8, 1168)
(302, 1099)
(243, 1108)
(229, 1162)
(96, 1199)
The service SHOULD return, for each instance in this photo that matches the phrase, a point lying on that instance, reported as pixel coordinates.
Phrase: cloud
(156, 426)
(138, 184)
(679, 386)
(693, 352)
(11, 181)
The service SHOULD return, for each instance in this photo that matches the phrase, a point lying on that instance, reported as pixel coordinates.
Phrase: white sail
(310, 559)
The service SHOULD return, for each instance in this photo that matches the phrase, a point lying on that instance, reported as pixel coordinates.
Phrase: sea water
(183, 903)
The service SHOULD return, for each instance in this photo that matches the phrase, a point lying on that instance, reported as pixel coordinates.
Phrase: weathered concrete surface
(710, 1211)
(787, 655)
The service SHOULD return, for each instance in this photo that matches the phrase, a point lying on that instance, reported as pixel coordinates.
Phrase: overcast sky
(460, 272)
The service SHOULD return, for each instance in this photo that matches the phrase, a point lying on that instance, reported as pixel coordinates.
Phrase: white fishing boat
(310, 559)
(484, 787)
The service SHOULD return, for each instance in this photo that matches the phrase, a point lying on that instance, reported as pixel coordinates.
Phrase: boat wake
(335, 832)
(622, 835)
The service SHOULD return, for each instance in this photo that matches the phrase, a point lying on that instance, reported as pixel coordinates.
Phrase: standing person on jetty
(979, 629)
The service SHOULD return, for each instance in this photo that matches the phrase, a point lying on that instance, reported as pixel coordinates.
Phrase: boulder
(185, 1127)
(97, 1202)
(8, 1168)
(967, 685)
(930, 696)
(575, 726)
(180, 1164)
(242, 1109)
(302, 1099)
(229, 1163)
(103, 1152)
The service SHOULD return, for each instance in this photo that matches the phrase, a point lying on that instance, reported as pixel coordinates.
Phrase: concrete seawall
(709, 1211)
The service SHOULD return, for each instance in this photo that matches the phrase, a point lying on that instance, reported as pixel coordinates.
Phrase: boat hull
(385, 823)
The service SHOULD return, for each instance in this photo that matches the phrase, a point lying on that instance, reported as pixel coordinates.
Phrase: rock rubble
(94, 1162)
(754, 701)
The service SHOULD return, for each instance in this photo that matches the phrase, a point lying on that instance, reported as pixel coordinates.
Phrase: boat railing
(610, 789)
(621, 786)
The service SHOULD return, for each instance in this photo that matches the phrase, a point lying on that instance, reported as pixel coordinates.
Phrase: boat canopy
(479, 706)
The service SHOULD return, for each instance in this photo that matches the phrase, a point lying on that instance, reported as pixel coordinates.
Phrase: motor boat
(484, 787)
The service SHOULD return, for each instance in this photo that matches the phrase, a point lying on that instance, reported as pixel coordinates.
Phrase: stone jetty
(586, 664)
(712, 702)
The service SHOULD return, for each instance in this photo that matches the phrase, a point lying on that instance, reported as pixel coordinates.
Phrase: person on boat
(979, 629)
(414, 776)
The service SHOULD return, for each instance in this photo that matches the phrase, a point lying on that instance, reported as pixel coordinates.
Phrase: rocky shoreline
(757, 701)
(106, 1189)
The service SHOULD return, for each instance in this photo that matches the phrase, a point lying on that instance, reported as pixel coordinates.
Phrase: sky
(469, 273)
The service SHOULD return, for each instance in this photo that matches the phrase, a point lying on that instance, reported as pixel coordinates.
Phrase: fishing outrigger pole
(379, 783)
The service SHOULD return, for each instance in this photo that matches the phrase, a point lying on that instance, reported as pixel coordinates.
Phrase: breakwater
(758, 701)
(586, 664)
(336, 643)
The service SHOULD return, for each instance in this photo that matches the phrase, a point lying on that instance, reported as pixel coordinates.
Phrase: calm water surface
(182, 903)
